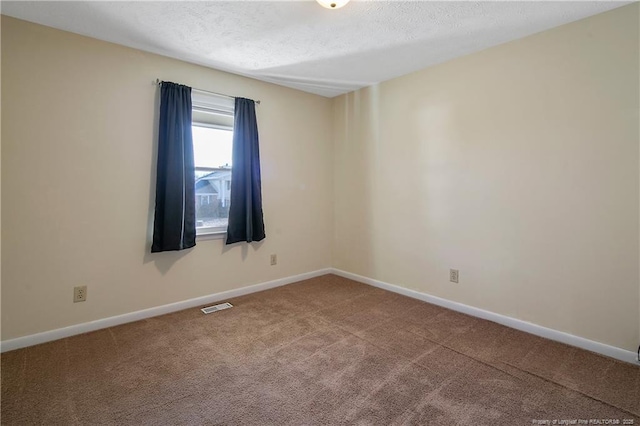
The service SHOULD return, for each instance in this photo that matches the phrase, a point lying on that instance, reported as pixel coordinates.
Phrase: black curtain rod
(159, 82)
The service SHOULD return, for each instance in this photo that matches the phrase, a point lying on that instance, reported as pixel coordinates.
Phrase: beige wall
(517, 165)
(0, 177)
(77, 190)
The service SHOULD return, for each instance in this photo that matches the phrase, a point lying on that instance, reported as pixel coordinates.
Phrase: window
(212, 126)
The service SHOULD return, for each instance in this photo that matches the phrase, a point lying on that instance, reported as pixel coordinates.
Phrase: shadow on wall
(164, 261)
(244, 248)
(355, 159)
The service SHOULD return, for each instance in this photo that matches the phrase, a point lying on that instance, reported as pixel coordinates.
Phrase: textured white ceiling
(302, 45)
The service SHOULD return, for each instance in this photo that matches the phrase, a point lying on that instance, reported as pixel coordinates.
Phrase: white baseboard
(548, 333)
(60, 333)
(559, 336)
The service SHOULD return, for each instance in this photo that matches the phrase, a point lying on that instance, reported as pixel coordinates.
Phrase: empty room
(320, 212)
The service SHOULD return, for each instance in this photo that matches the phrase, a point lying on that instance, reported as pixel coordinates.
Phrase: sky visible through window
(212, 147)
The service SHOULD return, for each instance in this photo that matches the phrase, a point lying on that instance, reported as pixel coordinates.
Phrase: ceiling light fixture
(332, 4)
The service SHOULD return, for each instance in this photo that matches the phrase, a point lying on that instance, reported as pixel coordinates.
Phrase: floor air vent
(216, 308)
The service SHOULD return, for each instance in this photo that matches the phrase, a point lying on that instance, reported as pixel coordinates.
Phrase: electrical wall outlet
(453, 275)
(274, 259)
(79, 293)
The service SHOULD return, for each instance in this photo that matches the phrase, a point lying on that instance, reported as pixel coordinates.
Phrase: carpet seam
(551, 381)
(495, 367)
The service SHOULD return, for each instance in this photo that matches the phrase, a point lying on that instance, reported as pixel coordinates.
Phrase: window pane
(212, 149)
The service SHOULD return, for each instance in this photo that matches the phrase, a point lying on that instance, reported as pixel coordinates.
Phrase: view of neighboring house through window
(212, 147)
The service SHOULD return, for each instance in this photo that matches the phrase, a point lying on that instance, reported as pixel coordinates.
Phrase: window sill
(211, 236)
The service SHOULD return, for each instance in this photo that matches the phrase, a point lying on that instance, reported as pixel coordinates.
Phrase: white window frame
(217, 110)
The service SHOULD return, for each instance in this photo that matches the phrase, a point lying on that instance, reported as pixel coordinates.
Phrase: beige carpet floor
(323, 351)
